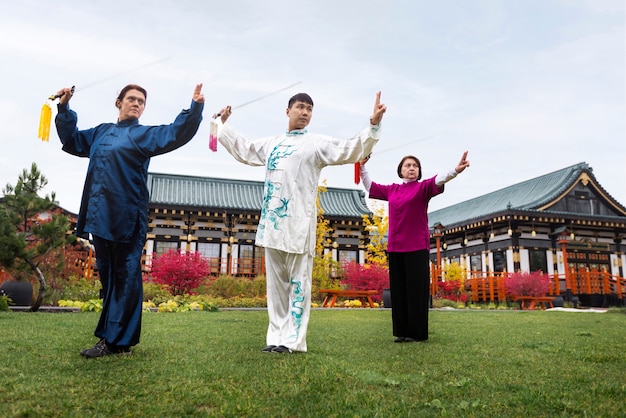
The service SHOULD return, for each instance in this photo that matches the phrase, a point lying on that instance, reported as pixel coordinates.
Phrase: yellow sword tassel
(44, 122)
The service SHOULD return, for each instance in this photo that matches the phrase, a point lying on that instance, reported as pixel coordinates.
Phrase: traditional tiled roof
(210, 193)
(531, 195)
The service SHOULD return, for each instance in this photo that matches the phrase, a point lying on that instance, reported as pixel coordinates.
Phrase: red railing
(489, 287)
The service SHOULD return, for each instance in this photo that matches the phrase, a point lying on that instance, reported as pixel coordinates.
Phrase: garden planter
(558, 302)
(20, 292)
(386, 298)
(594, 300)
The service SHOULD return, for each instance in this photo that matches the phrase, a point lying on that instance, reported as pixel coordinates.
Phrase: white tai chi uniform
(293, 163)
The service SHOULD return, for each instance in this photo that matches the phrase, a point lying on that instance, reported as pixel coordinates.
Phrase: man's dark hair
(300, 97)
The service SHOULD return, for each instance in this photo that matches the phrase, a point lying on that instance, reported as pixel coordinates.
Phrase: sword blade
(215, 115)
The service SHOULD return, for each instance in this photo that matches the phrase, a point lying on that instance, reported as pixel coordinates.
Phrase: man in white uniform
(293, 163)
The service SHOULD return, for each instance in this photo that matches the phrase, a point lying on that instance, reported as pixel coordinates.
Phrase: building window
(246, 260)
(538, 260)
(211, 252)
(476, 262)
(347, 256)
(246, 251)
(499, 261)
(209, 249)
(165, 246)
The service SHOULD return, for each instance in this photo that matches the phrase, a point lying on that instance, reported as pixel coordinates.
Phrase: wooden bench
(528, 303)
(365, 296)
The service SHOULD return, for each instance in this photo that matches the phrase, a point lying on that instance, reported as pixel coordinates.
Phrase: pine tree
(25, 236)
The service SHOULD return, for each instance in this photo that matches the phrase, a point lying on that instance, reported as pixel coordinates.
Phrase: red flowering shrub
(182, 272)
(451, 290)
(366, 277)
(527, 284)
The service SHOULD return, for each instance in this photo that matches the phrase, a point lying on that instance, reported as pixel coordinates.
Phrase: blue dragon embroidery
(296, 306)
(273, 215)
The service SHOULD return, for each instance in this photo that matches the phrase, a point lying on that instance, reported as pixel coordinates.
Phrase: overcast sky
(528, 87)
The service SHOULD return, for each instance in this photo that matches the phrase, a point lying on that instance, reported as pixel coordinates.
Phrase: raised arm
(462, 165)
(198, 96)
(379, 110)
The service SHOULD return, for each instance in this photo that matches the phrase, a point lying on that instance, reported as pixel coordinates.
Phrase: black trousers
(409, 279)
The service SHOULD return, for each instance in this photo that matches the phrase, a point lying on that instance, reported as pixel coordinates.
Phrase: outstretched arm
(462, 165)
(379, 110)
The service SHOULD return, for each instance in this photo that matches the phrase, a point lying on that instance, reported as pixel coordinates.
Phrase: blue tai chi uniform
(114, 206)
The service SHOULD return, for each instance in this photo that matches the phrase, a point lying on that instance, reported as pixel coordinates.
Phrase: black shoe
(412, 340)
(268, 349)
(98, 344)
(102, 349)
(399, 340)
(281, 349)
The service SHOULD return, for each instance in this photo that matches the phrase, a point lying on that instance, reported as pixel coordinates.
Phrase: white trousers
(289, 278)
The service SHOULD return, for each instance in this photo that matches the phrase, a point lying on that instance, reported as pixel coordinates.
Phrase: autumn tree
(30, 228)
(323, 264)
(374, 274)
(377, 226)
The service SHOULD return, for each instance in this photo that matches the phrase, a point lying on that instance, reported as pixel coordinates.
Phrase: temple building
(524, 227)
(563, 223)
(219, 217)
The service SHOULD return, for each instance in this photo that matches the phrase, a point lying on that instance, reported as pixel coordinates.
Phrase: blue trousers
(119, 266)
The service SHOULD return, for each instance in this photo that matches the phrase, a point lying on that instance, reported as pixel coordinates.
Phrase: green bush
(4, 303)
(240, 302)
(444, 303)
(78, 289)
(229, 287)
(184, 303)
(155, 292)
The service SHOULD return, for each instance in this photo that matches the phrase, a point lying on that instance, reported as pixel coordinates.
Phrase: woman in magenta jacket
(408, 242)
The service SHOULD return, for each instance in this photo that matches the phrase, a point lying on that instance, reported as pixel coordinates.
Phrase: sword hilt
(56, 96)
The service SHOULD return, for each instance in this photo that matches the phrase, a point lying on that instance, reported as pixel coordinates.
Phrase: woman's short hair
(410, 157)
(131, 87)
(300, 97)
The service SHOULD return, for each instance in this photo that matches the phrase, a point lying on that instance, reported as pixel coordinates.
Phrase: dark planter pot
(558, 302)
(21, 293)
(598, 301)
(386, 298)
(594, 300)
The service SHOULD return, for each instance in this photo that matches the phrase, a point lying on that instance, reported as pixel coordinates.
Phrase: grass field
(476, 363)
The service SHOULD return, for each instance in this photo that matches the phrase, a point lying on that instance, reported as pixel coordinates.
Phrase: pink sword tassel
(213, 137)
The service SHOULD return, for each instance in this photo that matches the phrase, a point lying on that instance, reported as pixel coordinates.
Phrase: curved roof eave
(533, 194)
(240, 195)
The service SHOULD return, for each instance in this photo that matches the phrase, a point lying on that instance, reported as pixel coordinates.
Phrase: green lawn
(476, 363)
